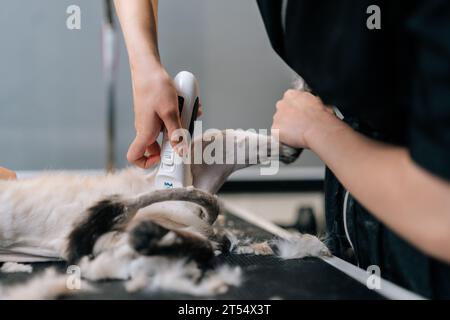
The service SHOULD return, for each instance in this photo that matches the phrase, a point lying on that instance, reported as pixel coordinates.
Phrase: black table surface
(265, 277)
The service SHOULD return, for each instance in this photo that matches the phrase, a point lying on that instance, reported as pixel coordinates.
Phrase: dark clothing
(376, 244)
(391, 84)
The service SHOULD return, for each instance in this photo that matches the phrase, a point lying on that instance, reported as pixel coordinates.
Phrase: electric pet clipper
(172, 172)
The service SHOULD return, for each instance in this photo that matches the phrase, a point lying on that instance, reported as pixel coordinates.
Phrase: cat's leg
(115, 212)
(233, 150)
(175, 215)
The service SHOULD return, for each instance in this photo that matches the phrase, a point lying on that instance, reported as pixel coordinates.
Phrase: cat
(63, 216)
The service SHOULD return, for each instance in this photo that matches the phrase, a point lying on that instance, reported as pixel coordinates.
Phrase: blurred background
(53, 100)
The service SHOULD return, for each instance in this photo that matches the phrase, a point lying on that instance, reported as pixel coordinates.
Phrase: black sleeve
(429, 133)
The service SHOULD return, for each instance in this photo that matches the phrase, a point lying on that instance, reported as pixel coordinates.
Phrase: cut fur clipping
(182, 277)
(246, 246)
(297, 246)
(147, 274)
(154, 273)
(46, 286)
(111, 264)
(13, 267)
(300, 246)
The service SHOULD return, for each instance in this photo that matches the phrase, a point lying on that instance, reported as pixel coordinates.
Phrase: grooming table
(265, 277)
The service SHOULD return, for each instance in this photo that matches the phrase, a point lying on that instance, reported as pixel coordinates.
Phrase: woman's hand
(299, 114)
(382, 177)
(6, 174)
(155, 107)
(154, 93)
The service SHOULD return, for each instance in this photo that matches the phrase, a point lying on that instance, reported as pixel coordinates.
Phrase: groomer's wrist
(323, 131)
(144, 57)
(148, 75)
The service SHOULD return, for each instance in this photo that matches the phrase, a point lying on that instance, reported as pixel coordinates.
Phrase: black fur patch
(193, 248)
(101, 218)
(144, 238)
(224, 242)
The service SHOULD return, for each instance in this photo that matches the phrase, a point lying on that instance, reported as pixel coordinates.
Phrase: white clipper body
(172, 172)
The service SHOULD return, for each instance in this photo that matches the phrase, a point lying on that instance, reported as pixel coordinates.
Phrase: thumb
(172, 123)
(143, 151)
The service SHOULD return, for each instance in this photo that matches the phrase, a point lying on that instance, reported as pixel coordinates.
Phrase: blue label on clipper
(168, 184)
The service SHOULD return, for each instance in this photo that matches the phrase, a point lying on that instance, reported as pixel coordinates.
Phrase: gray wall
(52, 106)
